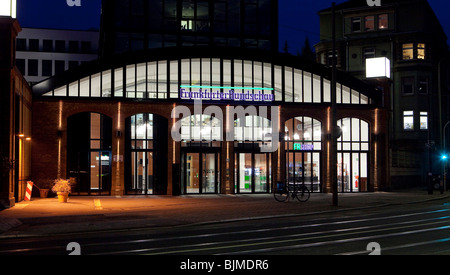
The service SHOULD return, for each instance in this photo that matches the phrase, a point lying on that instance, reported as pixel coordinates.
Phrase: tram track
(276, 236)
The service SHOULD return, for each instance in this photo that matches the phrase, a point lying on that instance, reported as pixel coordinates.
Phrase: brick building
(15, 119)
(111, 125)
(131, 123)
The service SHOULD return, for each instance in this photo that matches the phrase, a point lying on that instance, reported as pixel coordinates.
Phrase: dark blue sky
(298, 19)
(56, 14)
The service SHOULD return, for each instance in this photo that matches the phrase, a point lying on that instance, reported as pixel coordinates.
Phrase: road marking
(307, 236)
(280, 244)
(98, 205)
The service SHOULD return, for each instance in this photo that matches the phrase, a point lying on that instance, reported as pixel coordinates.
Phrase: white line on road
(97, 204)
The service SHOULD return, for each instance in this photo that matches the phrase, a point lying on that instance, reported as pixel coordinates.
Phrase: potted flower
(63, 188)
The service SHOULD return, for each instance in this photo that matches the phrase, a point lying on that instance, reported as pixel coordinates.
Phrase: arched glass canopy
(202, 76)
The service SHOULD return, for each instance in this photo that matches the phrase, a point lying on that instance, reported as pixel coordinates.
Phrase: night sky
(298, 19)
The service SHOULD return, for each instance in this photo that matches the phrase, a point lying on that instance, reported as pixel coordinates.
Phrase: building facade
(196, 120)
(135, 125)
(409, 34)
(15, 119)
(42, 53)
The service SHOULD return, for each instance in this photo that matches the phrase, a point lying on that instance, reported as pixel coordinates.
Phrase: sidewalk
(42, 217)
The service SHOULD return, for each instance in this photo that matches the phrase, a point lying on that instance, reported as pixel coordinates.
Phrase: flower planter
(63, 196)
(43, 193)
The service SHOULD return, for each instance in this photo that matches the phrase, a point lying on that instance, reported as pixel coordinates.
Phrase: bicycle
(286, 190)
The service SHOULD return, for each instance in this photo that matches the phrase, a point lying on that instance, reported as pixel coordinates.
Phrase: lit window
(383, 21)
(408, 120)
(8, 8)
(369, 22)
(414, 51)
(421, 51)
(423, 120)
(408, 51)
(187, 25)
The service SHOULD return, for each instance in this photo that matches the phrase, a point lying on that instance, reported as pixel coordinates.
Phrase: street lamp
(444, 158)
(442, 134)
(333, 149)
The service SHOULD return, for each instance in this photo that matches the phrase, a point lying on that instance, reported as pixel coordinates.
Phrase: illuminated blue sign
(228, 93)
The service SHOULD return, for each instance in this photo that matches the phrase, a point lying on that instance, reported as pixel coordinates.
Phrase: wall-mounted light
(23, 137)
(8, 8)
(379, 67)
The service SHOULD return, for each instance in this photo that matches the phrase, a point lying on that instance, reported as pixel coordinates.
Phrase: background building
(42, 53)
(15, 119)
(146, 24)
(410, 35)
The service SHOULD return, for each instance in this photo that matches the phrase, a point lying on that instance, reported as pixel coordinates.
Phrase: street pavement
(48, 217)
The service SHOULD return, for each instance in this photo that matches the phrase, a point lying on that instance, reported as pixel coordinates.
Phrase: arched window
(201, 128)
(253, 128)
(146, 139)
(200, 155)
(253, 80)
(353, 155)
(303, 137)
(304, 130)
(253, 168)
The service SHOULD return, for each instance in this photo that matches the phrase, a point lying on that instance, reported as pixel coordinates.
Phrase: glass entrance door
(192, 173)
(100, 172)
(353, 172)
(142, 172)
(262, 174)
(210, 173)
(304, 167)
(201, 174)
(253, 174)
(244, 169)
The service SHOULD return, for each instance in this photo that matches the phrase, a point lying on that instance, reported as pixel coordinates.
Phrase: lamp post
(446, 156)
(333, 153)
(441, 62)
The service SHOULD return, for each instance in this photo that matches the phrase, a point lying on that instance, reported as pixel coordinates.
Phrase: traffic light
(444, 157)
